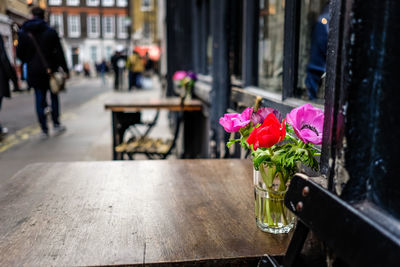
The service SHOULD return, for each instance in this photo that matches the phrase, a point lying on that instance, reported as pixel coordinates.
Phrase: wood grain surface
(111, 213)
(122, 103)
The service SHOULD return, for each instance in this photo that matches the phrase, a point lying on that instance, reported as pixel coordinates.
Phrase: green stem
(267, 178)
(282, 206)
(267, 209)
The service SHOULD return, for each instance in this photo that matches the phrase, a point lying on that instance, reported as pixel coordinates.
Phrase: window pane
(272, 14)
(312, 49)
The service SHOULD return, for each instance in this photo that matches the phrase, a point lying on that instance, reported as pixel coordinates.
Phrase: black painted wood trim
(291, 47)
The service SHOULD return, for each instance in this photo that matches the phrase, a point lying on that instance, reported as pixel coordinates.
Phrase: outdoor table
(132, 212)
(122, 105)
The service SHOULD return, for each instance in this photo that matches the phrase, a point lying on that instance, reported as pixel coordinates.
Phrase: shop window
(314, 19)
(270, 59)
(235, 39)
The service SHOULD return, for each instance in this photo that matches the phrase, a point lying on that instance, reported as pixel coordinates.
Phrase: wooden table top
(109, 213)
(122, 103)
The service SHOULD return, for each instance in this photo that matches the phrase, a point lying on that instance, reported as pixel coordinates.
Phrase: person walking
(7, 73)
(135, 65)
(118, 61)
(36, 34)
(103, 69)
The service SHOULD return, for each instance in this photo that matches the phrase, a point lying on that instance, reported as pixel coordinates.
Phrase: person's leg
(1, 128)
(40, 100)
(130, 80)
(103, 77)
(55, 113)
(139, 80)
(116, 80)
(311, 83)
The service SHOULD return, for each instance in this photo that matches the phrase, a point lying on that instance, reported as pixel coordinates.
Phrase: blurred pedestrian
(86, 69)
(118, 61)
(7, 73)
(39, 45)
(135, 65)
(149, 65)
(78, 69)
(317, 65)
(103, 69)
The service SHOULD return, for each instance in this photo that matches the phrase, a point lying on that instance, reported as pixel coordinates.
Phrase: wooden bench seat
(145, 145)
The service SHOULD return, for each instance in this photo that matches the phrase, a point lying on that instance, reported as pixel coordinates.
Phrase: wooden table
(132, 212)
(126, 111)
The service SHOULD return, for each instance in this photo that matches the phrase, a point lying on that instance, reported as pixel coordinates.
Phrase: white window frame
(107, 2)
(95, 34)
(144, 7)
(59, 20)
(73, 2)
(95, 54)
(121, 26)
(105, 33)
(122, 3)
(92, 2)
(76, 34)
(55, 2)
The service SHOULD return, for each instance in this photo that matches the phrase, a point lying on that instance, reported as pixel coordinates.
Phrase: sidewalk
(88, 135)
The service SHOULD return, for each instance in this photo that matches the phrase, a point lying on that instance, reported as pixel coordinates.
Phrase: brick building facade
(91, 29)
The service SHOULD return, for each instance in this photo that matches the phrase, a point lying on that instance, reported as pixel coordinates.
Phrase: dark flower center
(310, 127)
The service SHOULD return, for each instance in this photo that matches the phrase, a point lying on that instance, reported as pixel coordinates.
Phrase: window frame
(106, 34)
(55, 2)
(91, 34)
(73, 2)
(76, 34)
(93, 48)
(60, 22)
(107, 3)
(122, 3)
(121, 25)
(146, 8)
(92, 2)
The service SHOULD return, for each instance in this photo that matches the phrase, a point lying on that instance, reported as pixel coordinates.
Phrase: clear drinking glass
(271, 214)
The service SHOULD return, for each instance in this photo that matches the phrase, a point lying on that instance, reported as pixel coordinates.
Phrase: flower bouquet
(278, 148)
(186, 80)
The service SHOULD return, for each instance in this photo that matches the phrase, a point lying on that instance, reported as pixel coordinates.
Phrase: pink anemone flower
(307, 122)
(179, 75)
(233, 122)
(262, 113)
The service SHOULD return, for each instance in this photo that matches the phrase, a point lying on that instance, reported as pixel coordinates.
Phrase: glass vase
(270, 187)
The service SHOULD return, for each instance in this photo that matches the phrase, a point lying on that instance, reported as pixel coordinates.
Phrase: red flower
(267, 134)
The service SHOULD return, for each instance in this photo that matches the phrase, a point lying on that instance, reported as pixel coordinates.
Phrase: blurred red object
(153, 50)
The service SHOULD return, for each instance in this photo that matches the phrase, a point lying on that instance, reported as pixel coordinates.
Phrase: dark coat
(7, 72)
(49, 42)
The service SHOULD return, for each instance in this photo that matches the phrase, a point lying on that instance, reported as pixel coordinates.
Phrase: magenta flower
(233, 122)
(191, 75)
(307, 122)
(262, 113)
(179, 75)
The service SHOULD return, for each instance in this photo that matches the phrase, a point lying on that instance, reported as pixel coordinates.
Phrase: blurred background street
(88, 135)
